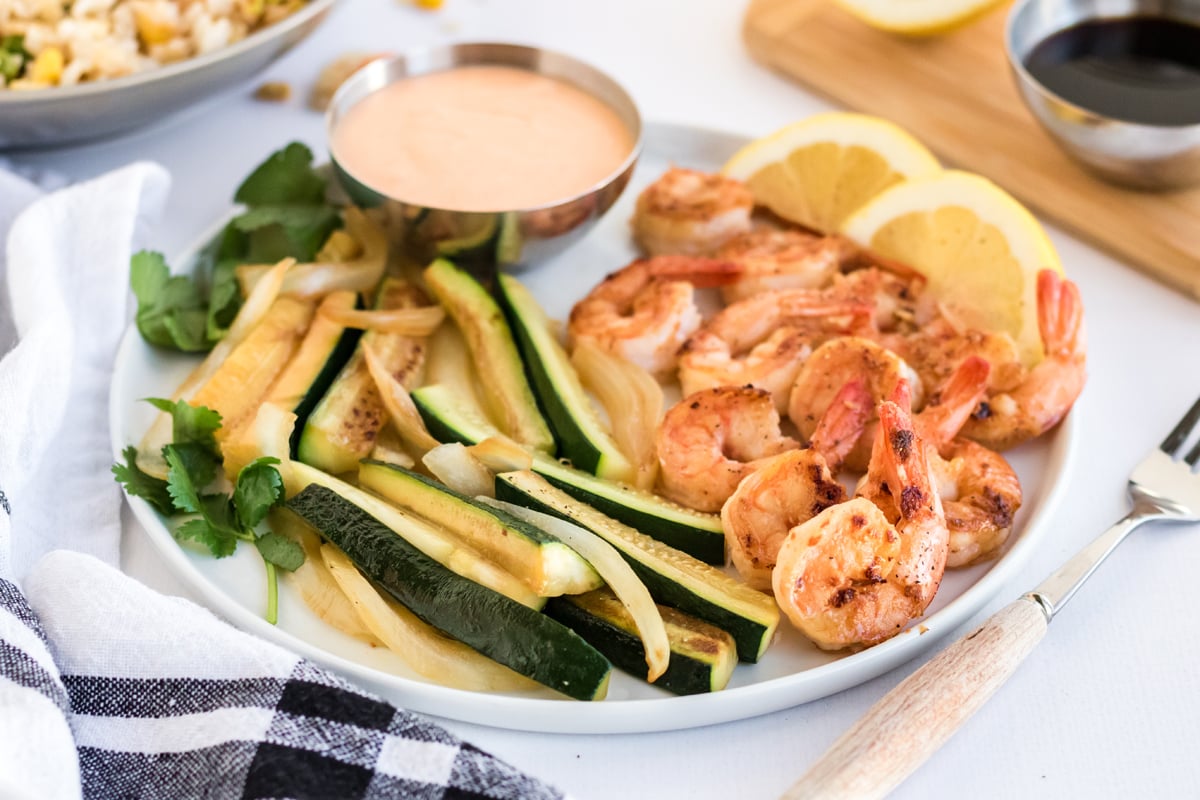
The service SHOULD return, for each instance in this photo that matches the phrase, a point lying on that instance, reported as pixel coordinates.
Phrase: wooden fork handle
(913, 720)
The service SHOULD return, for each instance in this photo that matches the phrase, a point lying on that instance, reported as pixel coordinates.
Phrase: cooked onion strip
(314, 581)
(399, 405)
(619, 576)
(428, 652)
(453, 465)
(633, 400)
(273, 426)
(502, 454)
(405, 321)
(317, 278)
(249, 315)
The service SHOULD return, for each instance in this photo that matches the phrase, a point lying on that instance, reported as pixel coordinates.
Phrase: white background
(1107, 706)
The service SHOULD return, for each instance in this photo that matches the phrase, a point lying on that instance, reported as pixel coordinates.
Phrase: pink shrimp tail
(703, 273)
(899, 457)
(1060, 314)
(958, 398)
(902, 395)
(842, 424)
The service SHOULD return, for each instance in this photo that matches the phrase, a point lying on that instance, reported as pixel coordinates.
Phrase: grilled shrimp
(710, 440)
(1047, 392)
(852, 576)
(762, 341)
(644, 311)
(834, 364)
(939, 348)
(686, 212)
(781, 259)
(791, 488)
(980, 490)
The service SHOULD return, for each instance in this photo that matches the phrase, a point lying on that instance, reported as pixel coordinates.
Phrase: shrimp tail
(703, 273)
(900, 455)
(1060, 314)
(941, 420)
(843, 423)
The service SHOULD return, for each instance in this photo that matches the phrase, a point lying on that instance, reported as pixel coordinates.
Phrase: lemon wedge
(918, 17)
(817, 171)
(979, 249)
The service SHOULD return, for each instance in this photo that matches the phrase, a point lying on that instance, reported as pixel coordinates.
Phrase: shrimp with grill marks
(710, 440)
(686, 212)
(646, 310)
(791, 488)
(850, 576)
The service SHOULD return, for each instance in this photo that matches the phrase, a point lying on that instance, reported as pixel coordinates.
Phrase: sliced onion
(453, 465)
(389, 449)
(633, 400)
(313, 580)
(249, 315)
(428, 652)
(619, 576)
(273, 426)
(502, 454)
(316, 278)
(399, 404)
(405, 321)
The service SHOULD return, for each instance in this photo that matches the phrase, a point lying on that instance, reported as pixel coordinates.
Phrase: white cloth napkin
(108, 689)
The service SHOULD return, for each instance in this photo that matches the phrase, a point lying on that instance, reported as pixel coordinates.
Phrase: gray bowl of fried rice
(74, 70)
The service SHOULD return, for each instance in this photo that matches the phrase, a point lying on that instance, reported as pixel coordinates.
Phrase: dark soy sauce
(1139, 69)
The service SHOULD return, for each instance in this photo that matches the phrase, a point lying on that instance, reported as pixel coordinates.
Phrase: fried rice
(46, 43)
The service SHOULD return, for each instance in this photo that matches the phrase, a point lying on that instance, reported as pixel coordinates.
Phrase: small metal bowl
(1134, 155)
(509, 239)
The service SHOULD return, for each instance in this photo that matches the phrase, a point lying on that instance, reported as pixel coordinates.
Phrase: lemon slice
(918, 17)
(979, 249)
(817, 171)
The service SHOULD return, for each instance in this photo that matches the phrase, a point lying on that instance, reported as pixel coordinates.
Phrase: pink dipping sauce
(481, 138)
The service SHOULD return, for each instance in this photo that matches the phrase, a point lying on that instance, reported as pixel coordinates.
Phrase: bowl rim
(333, 112)
(1027, 78)
(55, 94)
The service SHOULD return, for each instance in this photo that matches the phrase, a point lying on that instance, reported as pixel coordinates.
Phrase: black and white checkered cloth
(108, 689)
(175, 704)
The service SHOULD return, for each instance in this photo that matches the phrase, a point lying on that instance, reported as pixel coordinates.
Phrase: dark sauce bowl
(1116, 148)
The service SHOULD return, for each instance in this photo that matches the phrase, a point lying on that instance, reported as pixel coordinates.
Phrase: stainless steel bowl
(67, 114)
(508, 239)
(1134, 155)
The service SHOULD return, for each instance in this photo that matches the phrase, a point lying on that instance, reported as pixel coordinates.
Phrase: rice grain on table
(46, 43)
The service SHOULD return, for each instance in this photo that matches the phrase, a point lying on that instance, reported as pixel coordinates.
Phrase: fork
(869, 760)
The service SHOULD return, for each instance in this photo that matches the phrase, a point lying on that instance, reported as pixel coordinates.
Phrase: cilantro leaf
(218, 541)
(285, 230)
(285, 177)
(191, 424)
(280, 551)
(180, 483)
(139, 484)
(258, 488)
(171, 312)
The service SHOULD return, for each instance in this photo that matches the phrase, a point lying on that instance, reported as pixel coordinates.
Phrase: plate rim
(80, 91)
(552, 715)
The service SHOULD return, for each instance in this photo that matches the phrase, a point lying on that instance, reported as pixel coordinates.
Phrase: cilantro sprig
(220, 520)
(286, 216)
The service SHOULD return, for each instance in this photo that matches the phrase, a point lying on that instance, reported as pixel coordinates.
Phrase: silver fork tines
(1161, 487)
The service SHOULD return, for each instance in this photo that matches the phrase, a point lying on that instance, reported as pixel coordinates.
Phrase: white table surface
(1107, 706)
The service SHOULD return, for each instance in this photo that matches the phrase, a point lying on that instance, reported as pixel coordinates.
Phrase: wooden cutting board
(955, 93)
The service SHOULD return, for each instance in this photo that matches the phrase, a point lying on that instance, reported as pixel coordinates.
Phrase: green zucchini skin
(697, 534)
(752, 628)
(578, 432)
(702, 655)
(506, 631)
(550, 567)
(338, 357)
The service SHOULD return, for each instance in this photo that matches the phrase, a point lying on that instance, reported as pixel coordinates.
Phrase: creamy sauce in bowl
(481, 138)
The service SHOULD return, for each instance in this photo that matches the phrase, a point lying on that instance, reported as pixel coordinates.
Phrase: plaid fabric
(273, 726)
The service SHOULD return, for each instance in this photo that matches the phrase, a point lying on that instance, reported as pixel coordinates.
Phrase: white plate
(102, 108)
(792, 672)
